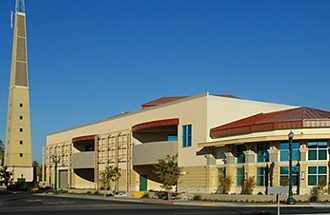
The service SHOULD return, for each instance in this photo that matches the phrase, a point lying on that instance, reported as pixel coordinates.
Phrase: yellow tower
(18, 156)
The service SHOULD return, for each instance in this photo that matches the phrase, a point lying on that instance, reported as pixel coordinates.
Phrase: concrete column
(128, 163)
(43, 164)
(211, 174)
(230, 158)
(250, 157)
(274, 171)
(96, 163)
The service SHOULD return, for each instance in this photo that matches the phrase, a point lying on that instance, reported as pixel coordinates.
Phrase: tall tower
(18, 157)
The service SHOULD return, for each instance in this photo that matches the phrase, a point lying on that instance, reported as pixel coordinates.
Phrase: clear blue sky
(92, 59)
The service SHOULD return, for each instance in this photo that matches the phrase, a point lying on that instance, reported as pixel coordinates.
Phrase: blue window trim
(186, 135)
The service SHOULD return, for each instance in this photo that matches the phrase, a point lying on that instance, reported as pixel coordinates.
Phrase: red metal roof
(164, 100)
(158, 123)
(84, 138)
(288, 119)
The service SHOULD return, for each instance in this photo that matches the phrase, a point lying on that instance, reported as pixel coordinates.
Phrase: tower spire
(20, 6)
(18, 156)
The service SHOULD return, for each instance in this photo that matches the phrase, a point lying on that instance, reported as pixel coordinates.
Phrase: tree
(37, 170)
(5, 176)
(110, 174)
(2, 153)
(168, 172)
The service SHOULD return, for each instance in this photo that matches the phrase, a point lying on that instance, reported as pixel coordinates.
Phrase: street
(31, 203)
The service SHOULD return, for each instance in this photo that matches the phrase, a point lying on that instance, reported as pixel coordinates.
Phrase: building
(18, 156)
(213, 135)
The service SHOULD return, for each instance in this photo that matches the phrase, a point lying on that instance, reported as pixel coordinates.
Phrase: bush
(146, 195)
(249, 185)
(284, 182)
(225, 183)
(321, 186)
(314, 194)
(197, 197)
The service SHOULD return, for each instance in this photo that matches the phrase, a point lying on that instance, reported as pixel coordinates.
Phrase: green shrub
(249, 185)
(197, 197)
(314, 194)
(146, 195)
(225, 183)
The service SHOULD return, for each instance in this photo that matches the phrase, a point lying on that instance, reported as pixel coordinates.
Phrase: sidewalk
(187, 203)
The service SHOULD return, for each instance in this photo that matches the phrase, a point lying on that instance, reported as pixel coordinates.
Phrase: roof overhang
(84, 138)
(267, 136)
(157, 123)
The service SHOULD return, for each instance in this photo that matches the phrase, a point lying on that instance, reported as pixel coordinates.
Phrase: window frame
(286, 150)
(265, 154)
(186, 135)
(317, 175)
(264, 176)
(297, 174)
(238, 158)
(317, 149)
(239, 176)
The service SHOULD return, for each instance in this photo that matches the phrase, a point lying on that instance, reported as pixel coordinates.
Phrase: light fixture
(302, 175)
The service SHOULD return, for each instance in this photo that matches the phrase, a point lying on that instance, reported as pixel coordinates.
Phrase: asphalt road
(30, 203)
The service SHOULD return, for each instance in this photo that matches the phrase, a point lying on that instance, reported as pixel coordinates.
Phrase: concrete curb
(186, 203)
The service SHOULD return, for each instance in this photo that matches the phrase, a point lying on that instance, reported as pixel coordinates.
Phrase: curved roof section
(84, 138)
(157, 123)
(302, 117)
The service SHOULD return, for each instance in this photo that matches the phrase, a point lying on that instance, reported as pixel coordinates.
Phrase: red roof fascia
(164, 100)
(84, 138)
(158, 123)
(292, 118)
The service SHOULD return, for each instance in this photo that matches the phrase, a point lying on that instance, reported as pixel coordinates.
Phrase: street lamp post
(290, 200)
(56, 160)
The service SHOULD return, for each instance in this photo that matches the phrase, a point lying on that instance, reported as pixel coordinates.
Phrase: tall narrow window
(239, 176)
(186, 136)
(262, 176)
(21, 142)
(285, 151)
(20, 117)
(317, 151)
(21, 130)
(21, 104)
(21, 154)
(262, 152)
(240, 153)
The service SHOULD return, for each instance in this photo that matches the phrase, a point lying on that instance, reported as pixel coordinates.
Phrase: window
(89, 148)
(240, 153)
(21, 154)
(317, 151)
(21, 104)
(172, 137)
(20, 117)
(239, 176)
(21, 142)
(284, 175)
(262, 152)
(186, 136)
(285, 151)
(315, 174)
(21, 130)
(262, 176)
